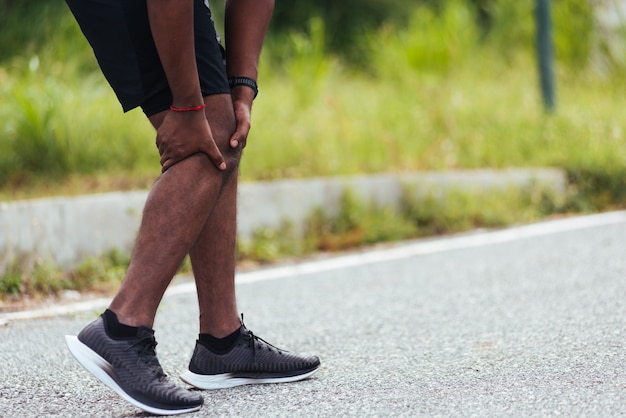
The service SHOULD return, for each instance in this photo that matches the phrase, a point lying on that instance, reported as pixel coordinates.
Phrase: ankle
(133, 317)
(117, 329)
(219, 345)
(222, 329)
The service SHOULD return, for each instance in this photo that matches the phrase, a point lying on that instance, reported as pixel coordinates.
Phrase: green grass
(45, 278)
(479, 115)
(486, 115)
(433, 98)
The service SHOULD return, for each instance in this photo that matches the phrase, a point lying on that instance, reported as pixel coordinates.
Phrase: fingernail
(223, 166)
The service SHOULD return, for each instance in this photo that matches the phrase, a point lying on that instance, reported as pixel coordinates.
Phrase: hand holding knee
(183, 134)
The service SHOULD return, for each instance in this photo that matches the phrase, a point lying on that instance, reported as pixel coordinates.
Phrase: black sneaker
(130, 367)
(251, 360)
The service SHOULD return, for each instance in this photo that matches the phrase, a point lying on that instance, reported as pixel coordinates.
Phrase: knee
(203, 167)
(200, 167)
(232, 156)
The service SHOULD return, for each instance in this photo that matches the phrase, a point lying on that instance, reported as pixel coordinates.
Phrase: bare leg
(175, 215)
(213, 261)
(213, 257)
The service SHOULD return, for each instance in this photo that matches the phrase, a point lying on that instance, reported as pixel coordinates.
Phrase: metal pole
(544, 53)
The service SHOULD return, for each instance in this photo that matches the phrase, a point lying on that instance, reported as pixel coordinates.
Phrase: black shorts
(119, 33)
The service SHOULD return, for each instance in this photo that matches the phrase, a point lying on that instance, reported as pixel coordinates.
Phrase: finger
(162, 148)
(236, 139)
(167, 163)
(244, 138)
(164, 154)
(158, 143)
(214, 154)
(240, 136)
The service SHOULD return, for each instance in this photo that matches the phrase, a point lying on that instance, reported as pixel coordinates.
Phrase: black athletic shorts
(119, 33)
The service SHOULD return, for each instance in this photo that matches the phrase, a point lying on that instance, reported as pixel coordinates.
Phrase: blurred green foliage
(349, 25)
(59, 117)
(509, 25)
(45, 278)
(37, 27)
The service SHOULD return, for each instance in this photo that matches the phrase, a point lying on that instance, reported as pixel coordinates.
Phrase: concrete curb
(65, 230)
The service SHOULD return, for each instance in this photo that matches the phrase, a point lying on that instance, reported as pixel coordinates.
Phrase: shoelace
(146, 350)
(252, 339)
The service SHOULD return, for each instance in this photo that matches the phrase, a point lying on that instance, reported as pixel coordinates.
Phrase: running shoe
(252, 360)
(130, 367)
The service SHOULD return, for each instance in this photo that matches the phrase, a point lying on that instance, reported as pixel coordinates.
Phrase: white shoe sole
(103, 370)
(226, 380)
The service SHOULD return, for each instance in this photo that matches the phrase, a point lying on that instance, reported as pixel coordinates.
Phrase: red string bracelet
(187, 109)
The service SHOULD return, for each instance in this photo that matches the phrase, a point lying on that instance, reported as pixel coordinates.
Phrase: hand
(242, 104)
(182, 134)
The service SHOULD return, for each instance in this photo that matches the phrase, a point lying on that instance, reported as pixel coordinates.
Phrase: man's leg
(175, 213)
(213, 258)
(119, 346)
(124, 358)
(227, 354)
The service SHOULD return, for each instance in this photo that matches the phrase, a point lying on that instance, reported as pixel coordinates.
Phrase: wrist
(243, 95)
(188, 97)
(188, 109)
(246, 82)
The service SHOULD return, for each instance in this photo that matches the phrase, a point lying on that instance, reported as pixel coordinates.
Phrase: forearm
(171, 22)
(246, 23)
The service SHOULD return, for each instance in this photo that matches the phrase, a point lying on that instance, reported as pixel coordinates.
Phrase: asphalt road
(522, 323)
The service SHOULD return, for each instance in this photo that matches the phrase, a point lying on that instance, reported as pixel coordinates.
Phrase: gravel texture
(532, 328)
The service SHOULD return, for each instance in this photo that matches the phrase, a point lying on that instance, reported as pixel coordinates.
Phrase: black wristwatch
(244, 81)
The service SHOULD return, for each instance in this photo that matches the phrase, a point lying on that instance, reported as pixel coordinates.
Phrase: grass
(346, 124)
(431, 97)
(45, 278)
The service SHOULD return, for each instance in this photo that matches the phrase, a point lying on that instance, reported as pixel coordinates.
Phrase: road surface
(528, 321)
